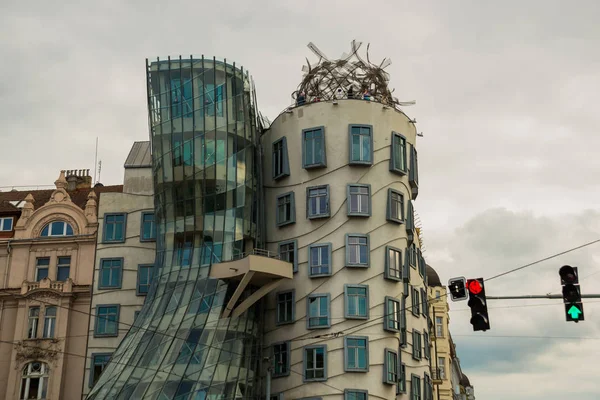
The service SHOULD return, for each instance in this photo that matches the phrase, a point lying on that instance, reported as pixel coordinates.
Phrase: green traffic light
(574, 312)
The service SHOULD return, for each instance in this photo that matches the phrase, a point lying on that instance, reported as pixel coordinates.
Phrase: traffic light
(569, 280)
(458, 289)
(478, 304)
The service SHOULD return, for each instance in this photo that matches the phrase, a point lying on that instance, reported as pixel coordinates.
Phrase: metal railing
(257, 252)
(438, 374)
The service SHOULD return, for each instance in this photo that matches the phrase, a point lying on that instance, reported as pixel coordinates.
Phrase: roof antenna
(96, 160)
(99, 169)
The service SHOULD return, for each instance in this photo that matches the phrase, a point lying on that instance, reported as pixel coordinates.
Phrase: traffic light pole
(542, 296)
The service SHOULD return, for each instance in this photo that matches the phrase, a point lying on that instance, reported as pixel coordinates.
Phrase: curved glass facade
(203, 126)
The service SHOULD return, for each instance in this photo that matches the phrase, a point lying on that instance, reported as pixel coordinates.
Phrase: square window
(107, 320)
(393, 263)
(359, 200)
(313, 148)
(281, 167)
(110, 273)
(356, 353)
(392, 315)
(357, 250)
(144, 279)
(415, 388)
(315, 363)
(148, 227)
(286, 307)
(319, 260)
(6, 224)
(416, 353)
(356, 394)
(114, 227)
(286, 209)
(63, 268)
(398, 154)
(318, 311)
(361, 144)
(416, 301)
(390, 367)
(281, 359)
(317, 202)
(356, 300)
(288, 251)
(99, 361)
(42, 266)
(395, 206)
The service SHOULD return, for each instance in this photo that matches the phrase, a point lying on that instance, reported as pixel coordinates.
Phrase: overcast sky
(507, 97)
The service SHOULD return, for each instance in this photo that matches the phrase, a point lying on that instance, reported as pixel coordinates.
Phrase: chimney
(78, 179)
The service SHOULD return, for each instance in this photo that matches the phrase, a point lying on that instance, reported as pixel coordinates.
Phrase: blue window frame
(390, 374)
(144, 278)
(99, 361)
(181, 98)
(42, 266)
(392, 315)
(317, 202)
(148, 232)
(286, 209)
(281, 359)
(315, 363)
(395, 206)
(107, 320)
(415, 387)
(319, 260)
(114, 227)
(111, 272)
(356, 354)
(398, 162)
(57, 228)
(361, 144)
(6, 224)
(417, 345)
(63, 268)
(286, 307)
(313, 148)
(280, 160)
(318, 311)
(356, 300)
(357, 250)
(358, 197)
(393, 263)
(288, 251)
(356, 394)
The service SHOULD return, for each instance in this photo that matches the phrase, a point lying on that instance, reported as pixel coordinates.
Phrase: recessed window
(281, 359)
(288, 251)
(34, 320)
(285, 307)
(42, 266)
(392, 315)
(359, 200)
(99, 361)
(107, 320)
(393, 263)
(401, 388)
(110, 273)
(286, 209)
(398, 154)
(6, 224)
(317, 202)
(395, 206)
(281, 165)
(318, 311)
(427, 387)
(361, 144)
(355, 394)
(34, 383)
(413, 255)
(357, 250)
(63, 268)
(114, 227)
(49, 322)
(415, 388)
(148, 227)
(424, 303)
(416, 301)
(57, 228)
(313, 148)
(416, 353)
(315, 363)
(319, 260)
(356, 299)
(439, 327)
(356, 353)
(144, 279)
(390, 367)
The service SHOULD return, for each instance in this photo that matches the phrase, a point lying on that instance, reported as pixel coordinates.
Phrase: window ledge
(314, 166)
(320, 216)
(358, 266)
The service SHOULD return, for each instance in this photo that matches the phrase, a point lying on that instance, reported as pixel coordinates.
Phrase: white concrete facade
(332, 232)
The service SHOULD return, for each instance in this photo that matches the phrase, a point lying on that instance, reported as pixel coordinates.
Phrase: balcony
(66, 286)
(437, 375)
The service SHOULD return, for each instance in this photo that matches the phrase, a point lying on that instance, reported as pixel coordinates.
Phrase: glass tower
(203, 127)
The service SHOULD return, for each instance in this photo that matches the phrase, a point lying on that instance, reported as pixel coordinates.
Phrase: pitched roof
(139, 156)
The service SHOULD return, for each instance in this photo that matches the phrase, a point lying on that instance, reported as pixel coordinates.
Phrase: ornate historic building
(47, 246)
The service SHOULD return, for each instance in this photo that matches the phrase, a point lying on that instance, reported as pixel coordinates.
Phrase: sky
(504, 98)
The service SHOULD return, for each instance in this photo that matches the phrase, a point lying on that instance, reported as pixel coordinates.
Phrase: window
(148, 227)
(288, 252)
(34, 384)
(413, 255)
(281, 165)
(6, 224)
(426, 348)
(110, 273)
(413, 175)
(356, 299)
(390, 367)
(416, 301)
(184, 247)
(63, 268)
(144, 279)
(313, 148)
(315, 363)
(398, 154)
(415, 388)
(357, 250)
(318, 311)
(114, 227)
(403, 335)
(285, 307)
(359, 200)
(361, 144)
(356, 353)
(317, 202)
(107, 320)
(437, 294)
(355, 394)
(181, 98)
(395, 206)
(286, 209)
(416, 353)
(319, 260)
(41, 268)
(410, 221)
(439, 327)
(34, 319)
(393, 263)
(401, 388)
(392, 315)
(427, 388)
(99, 361)
(442, 367)
(281, 359)
(49, 322)
(276, 396)
(57, 228)
(424, 306)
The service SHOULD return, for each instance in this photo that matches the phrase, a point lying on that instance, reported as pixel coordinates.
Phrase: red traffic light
(474, 286)
(568, 274)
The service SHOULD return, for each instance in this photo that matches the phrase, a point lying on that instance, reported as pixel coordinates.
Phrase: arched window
(57, 228)
(34, 384)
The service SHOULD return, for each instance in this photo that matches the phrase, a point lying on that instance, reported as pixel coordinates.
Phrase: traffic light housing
(478, 304)
(458, 289)
(569, 279)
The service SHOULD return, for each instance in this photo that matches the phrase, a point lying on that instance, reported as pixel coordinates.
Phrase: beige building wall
(338, 174)
(441, 355)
